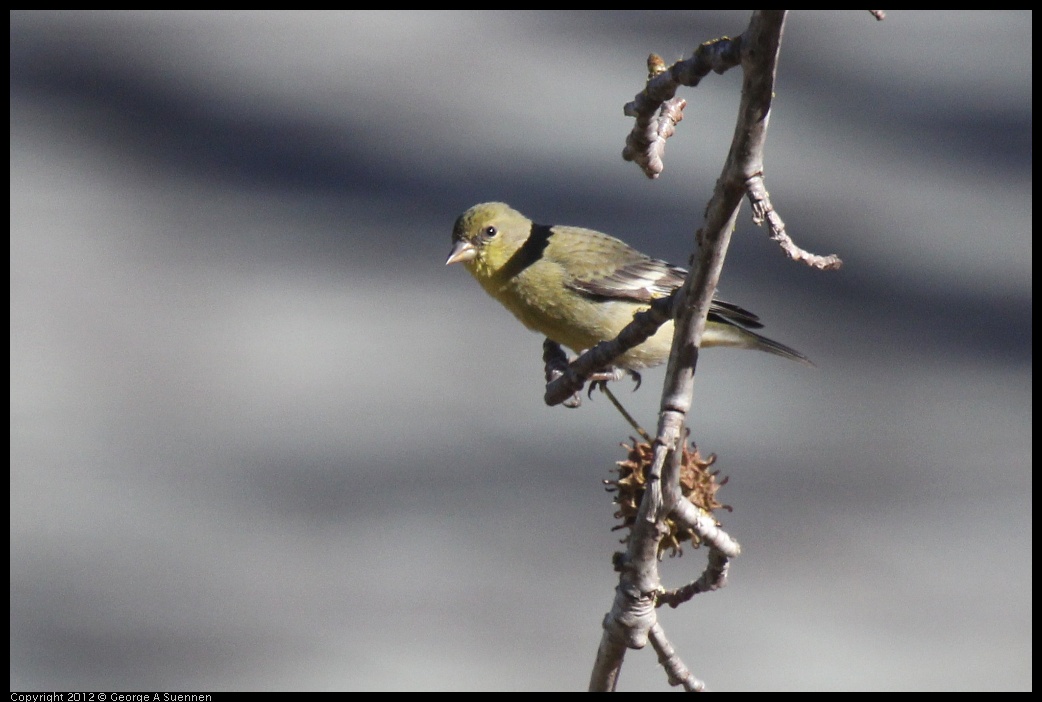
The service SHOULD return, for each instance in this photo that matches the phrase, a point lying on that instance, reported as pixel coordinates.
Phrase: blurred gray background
(262, 438)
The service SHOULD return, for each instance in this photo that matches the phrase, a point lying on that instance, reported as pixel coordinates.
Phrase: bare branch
(629, 623)
(632, 621)
(608, 665)
(632, 615)
(759, 55)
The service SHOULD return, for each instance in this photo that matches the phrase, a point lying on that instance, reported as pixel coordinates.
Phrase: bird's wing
(646, 279)
(641, 280)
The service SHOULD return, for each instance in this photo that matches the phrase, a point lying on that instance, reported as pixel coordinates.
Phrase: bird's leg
(556, 365)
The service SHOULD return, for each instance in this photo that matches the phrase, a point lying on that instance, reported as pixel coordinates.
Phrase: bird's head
(486, 235)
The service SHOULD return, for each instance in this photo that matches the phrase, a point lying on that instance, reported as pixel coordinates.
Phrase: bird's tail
(724, 334)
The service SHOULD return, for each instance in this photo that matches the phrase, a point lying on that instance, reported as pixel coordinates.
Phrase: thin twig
(626, 415)
(713, 578)
(655, 108)
(677, 672)
(763, 211)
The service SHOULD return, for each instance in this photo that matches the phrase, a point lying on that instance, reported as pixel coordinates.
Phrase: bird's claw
(601, 378)
(636, 379)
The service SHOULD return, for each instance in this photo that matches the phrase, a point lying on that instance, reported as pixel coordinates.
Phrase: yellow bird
(579, 287)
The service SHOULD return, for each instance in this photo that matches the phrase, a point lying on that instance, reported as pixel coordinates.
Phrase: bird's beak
(462, 252)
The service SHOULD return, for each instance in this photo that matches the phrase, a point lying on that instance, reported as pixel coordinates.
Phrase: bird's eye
(489, 231)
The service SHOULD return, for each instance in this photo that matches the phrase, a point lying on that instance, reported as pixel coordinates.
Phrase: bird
(578, 286)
